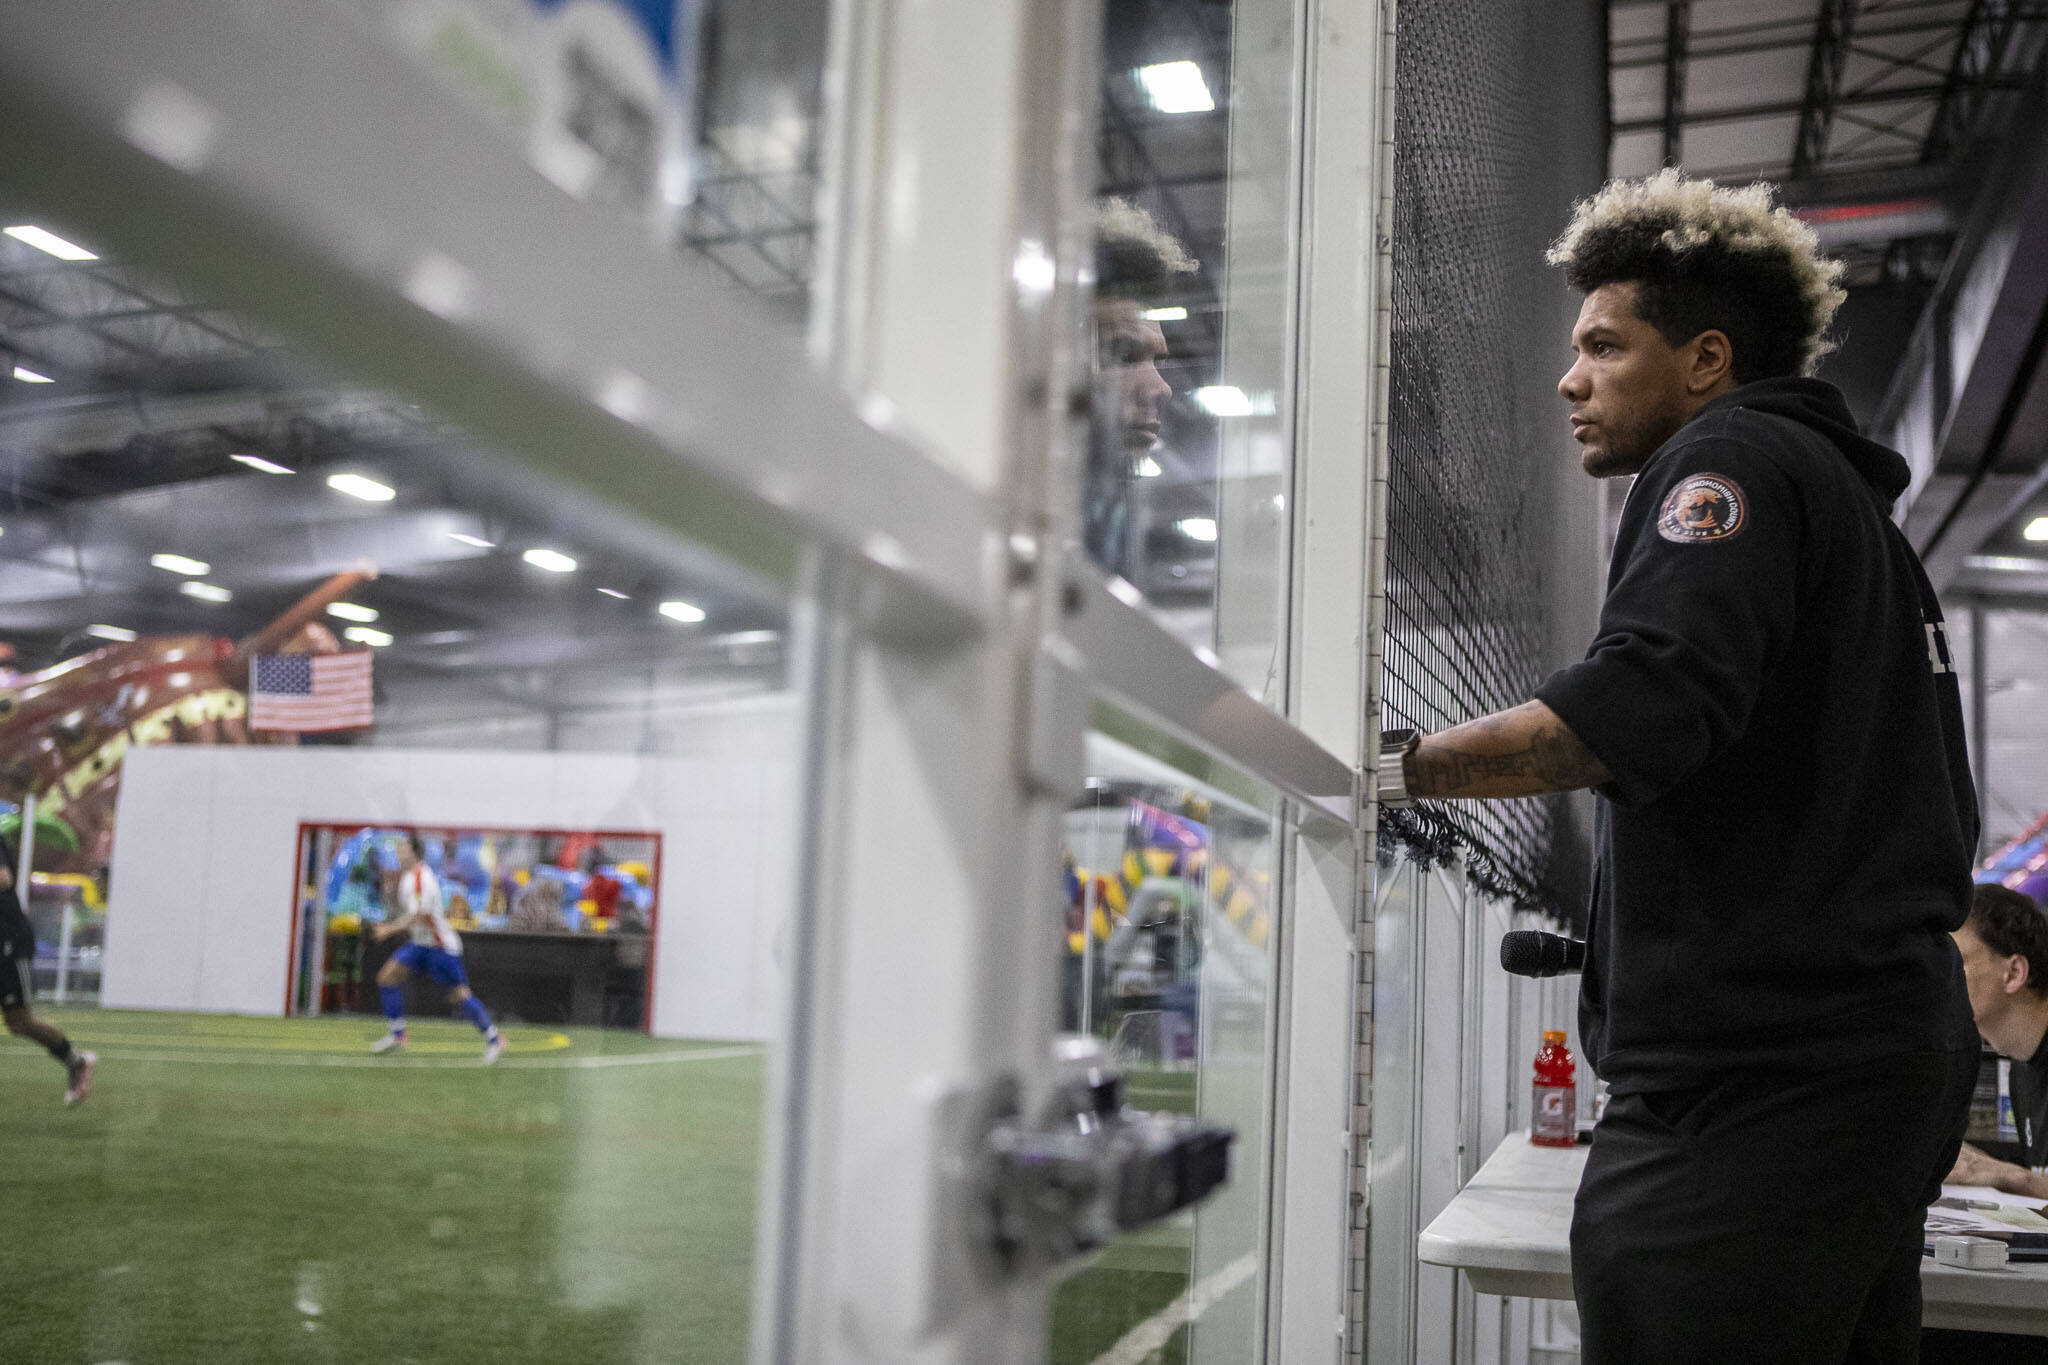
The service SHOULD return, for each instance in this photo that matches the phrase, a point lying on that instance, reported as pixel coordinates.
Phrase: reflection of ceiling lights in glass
(1197, 528)
(614, 592)
(2006, 563)
(478, 541)
(1176, 88)
(351, 611)
(554, 561)
(28, 376)
(1166, 314)
(121, 633)
(356, 486)
(364, 635)
(192, 568)
(44, 240)
(1223, 400)
(2037, 529)
(1147, 468)
(206, 592)
(259, 463)
(682, 611)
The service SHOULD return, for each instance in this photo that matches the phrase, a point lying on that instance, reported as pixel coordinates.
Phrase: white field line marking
(1155, 1331)
(707, 1054)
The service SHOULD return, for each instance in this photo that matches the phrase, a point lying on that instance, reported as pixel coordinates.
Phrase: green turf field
(265, 1191)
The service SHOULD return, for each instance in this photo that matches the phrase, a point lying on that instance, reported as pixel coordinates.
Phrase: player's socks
(394, 1006)
(61, 1050)
(480, 1016)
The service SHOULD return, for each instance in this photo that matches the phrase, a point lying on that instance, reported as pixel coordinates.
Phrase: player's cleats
(494, 1049)
(79, 1074)
(388, 1042)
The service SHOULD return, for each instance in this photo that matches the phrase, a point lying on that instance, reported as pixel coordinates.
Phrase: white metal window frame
(949, 651)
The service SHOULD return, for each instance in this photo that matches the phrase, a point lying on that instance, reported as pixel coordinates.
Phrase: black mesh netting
(1468, 546)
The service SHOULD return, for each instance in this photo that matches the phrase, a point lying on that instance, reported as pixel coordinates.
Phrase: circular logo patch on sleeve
(1703, 507)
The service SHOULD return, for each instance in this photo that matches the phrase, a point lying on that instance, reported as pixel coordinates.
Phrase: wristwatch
(1395, 746)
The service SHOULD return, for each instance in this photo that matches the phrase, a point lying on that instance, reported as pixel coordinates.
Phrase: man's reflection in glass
(1135, 265)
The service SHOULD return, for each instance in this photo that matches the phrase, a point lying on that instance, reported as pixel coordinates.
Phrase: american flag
(310, 692)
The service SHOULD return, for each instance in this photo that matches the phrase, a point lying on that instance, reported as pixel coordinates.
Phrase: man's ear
(2015, 975)
(1712, 360)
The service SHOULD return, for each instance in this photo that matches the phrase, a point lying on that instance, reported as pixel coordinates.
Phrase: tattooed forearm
(1525, 751)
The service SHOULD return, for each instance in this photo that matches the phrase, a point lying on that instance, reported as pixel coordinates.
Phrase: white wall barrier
(203, 882)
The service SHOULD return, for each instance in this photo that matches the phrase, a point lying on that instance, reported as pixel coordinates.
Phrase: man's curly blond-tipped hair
(1704, 258)
(1135, 258)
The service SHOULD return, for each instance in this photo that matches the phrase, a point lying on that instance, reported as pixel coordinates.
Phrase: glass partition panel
(1167, 941)
(410, 841)
(699, 118)
(1187, 484)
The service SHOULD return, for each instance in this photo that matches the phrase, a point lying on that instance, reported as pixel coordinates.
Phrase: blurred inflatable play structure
(65, 729)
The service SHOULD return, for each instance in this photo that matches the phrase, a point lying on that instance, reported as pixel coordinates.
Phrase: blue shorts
(437, 963)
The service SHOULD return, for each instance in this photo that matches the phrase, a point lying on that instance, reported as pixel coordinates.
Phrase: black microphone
(1531, 952)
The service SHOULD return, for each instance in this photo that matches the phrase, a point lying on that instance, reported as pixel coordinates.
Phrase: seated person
(2004, 944)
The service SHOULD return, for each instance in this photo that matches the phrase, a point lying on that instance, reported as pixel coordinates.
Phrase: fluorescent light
(1165, 315)
(205, 592)
(2006, 563)
(192, 568)
(1197, 528)
(554, 561)
(121, 633)
(478, 541)
(614, 592)
(750, 637)
(1223, 400)
(28, 376)
(2037, 529)
(351, 611)
(258, 462)
(43, 240)
(356, 486)
(1147, 468)
(682, 611)
(364, 635)
(1176, 88)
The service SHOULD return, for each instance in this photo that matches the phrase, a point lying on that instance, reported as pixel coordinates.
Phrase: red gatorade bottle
(1555, 1117)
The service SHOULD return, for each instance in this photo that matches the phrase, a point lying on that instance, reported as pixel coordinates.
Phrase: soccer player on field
(17, 958)
(435, 949)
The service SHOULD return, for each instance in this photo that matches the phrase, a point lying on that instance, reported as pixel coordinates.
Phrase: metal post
(1088, 930)
(1980, 714)
(64, 950)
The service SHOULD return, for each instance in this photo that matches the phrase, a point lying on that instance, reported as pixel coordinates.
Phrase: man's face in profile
(1128, 385)
(1626, 384)
(1983, 975)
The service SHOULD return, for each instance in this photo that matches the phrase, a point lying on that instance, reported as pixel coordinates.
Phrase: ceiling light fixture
(1176, 88)
(478, 541)
(1147, 468)
(206, 592)
(356, 486)
(614, 592)
(554, 561)
(191, 568)
(42, 239)
(258, 462)
(1175, 314)
(2037, 529)
(28, 376)
(363, 635)
(351, 611)
(1197, 528)
(120, 633)
(682, 611)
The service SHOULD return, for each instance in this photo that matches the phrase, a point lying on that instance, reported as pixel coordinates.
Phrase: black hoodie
(1787, 840)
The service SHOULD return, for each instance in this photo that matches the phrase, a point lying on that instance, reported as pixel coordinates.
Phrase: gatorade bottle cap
(1553, 1035)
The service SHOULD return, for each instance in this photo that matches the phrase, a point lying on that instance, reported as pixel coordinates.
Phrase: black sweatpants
(1766, 1218)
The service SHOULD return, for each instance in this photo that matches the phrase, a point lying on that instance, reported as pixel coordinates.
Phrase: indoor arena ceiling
(136, 423)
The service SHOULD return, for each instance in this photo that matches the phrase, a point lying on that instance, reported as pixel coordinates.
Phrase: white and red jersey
(419, 895)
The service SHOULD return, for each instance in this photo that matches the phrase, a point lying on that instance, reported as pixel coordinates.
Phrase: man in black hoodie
(1770, 717)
